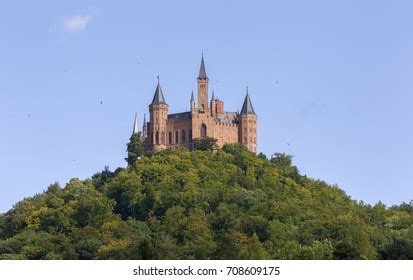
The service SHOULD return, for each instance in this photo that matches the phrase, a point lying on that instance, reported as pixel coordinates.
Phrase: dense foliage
(135, 148)
(230, 204)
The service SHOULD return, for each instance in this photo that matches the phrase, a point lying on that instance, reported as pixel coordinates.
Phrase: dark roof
(158, 98)
(183, 115)
(247, 108)
(202, 72)
(229, 118)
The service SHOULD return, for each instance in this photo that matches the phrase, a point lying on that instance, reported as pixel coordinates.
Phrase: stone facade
(207, 118)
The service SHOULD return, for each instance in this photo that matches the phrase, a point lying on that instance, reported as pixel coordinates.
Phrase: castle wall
(183, 129)
(225, 133)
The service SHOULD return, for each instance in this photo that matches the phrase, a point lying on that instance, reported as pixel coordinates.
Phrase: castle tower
(135, 125)
(158, 110)
(202, 88)
(192, 102)
(248, 125)
(213, 105)
(145, 127)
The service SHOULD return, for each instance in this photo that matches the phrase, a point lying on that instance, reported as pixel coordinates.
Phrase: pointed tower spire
(145, 127)
(247, 108)
(158, 98)
(213, 95)
(202, 71)
(135, 125)
(192, 97)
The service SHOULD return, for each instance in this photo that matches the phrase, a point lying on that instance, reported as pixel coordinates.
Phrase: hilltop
(229, 204)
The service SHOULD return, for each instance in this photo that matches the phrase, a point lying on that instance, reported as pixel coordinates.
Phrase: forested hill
(230, 204)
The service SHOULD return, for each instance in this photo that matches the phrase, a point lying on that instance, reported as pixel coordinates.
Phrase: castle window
(190, 135)
(251, 140)
(176, 137)
(183, 137)
(157, 138)
(245, 140)
(170, 138)
(203, 131)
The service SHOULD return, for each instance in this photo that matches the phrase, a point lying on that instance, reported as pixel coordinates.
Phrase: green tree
(205, 144)
(135, 148)
(255, 250)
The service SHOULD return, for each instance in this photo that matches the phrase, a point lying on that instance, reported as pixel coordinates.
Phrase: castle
(205, 119)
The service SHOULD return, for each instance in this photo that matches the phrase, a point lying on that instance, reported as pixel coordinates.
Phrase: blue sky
(342, 105)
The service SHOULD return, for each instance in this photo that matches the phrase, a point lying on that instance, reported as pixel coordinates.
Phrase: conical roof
(202, 71)
(158, 98)
(247, 108)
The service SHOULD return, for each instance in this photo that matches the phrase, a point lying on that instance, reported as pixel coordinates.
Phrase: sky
(331, 82)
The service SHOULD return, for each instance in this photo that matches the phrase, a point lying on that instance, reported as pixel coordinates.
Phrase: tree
(229, 204)
(205, 144)
(135, 148)
(284, 162)
(255, 250)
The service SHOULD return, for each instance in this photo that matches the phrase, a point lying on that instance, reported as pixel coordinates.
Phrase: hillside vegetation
(230, 204)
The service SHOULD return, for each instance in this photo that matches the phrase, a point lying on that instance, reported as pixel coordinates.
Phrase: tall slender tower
(158, 110)
(202, 87)
(135, 125)
(192, 102)
(145, 127)
(248, 125)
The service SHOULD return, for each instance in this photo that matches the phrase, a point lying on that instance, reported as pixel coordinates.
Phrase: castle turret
(248, 125)
(145, 127)
(158, 110)
(135, 125)
(202, 87)
(192, 102)
(213, 105)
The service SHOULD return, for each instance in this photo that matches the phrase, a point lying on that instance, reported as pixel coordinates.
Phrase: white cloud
(76, 23)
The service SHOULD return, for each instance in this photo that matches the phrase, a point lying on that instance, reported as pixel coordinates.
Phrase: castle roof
(202, 71)
(247, 108)
(183, 115)
(229, 118)
(158, 98)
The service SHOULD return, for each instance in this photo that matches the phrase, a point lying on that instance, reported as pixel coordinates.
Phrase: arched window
(157, 138)
(203, 131)
(170, 138)
(183, 137)
(176, 137)
(190, 135)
